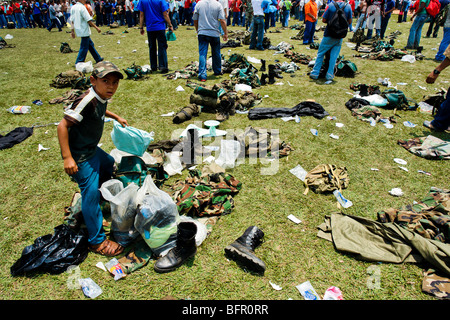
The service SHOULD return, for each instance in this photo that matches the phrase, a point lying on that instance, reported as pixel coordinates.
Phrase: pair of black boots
(274, 72)
(241, 250)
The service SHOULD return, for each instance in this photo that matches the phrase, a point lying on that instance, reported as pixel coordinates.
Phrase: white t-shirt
(79, 17)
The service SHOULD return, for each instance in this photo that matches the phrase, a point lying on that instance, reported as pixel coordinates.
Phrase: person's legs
(84, 48)
(202, 52)
(422, 19)
(415, 32)
(260, 32)
(442, 118)
(91, 174)
(334, 54)
(215, 53)
(152, 50)
(384, 24)
(325, 45)
(93, 51)
(307, 35)
(444, 44)
(162, 50)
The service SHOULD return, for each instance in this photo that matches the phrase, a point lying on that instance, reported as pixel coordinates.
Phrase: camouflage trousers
(428, 147)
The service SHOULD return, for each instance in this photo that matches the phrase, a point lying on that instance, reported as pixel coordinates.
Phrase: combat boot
(242, 249)
(263, 66)
(264, 78)
(185, 248)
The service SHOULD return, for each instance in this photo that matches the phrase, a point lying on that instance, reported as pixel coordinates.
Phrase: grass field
(34, 188)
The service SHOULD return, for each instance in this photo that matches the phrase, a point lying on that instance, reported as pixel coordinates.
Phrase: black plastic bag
(53, 253)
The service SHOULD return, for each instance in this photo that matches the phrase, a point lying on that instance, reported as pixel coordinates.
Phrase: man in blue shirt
(156, 15)
(328, 43)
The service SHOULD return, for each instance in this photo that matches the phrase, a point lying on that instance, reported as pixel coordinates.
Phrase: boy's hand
(122, 121)
(70, 166)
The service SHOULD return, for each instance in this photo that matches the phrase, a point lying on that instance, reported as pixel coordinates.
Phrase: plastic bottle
(314, 132)
(90, 288)
(340, 198)
(307, 291)
(20, 109)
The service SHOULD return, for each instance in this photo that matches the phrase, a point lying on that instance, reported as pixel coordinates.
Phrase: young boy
(79, 133)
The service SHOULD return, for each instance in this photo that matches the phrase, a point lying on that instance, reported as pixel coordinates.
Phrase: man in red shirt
(236, 8)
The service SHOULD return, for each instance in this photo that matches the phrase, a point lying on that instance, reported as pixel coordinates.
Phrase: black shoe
(185, 249)
(263, 66)
(242, 249)
(164, 71)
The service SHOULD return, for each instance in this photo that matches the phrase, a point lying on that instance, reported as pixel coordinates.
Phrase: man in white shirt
(81, 21)
(256, 40)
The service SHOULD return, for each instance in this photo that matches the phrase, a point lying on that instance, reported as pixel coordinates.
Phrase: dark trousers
(157, 42)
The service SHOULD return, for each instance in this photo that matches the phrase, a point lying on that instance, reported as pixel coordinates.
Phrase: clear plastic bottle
(20, 109)
(340, 198)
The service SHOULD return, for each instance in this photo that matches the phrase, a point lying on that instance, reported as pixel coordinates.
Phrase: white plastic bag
(156, 218)
(173, 165)
(85, 67)
(229, 152)
(409, 58)
(123, 209)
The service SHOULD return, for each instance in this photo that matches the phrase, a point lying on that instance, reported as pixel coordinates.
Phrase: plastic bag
(131, 140)
(156, 217)
(170, 36)
(173, 165)
(85, 67)
(123, 209)
(53, 253)
(229, 152)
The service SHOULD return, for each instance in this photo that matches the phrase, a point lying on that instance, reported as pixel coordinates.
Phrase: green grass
(34, 188)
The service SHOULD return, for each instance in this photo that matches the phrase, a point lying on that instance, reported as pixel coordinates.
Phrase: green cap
(103, 68)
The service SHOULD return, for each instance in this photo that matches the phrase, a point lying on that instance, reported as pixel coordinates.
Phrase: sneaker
(428, 125)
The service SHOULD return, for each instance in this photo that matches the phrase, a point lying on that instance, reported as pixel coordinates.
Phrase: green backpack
(397, 100)
(132, 169)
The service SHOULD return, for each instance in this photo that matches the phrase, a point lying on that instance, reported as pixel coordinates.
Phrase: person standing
(129, 13)
(419, 17)
(37, 13)
(362, 15)
(208, 15)
(441, 121)
(310, 21)
(54, 21)
(257, 37)
(3, 23)
(389, 7)
(81, 21)
(328, 43)
(445, 41)
(44, 14)
(155, 13)
(374, 13)
(287, 5)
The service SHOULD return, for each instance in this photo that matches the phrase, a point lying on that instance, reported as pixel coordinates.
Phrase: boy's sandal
(107, 248)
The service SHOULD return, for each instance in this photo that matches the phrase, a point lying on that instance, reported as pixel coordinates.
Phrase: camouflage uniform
(429, 147)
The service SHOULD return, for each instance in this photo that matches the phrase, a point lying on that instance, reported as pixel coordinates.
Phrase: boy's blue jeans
(90, 176)
(327, 44)
(87, 45)
(203, 42)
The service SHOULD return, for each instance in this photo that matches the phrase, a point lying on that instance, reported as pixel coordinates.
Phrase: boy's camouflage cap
(103, 68)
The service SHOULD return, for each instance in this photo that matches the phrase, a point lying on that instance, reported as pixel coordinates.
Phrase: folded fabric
(14, 137)
(428, 147)
(305, 108)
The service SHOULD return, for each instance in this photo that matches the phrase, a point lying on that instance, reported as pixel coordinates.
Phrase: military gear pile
(429, 147)
(326, 178)
(71, 79)
(65, 48)
(135, 72)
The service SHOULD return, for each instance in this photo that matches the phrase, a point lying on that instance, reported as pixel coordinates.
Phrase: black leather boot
(263, 66)
(263, 79)
(242, 249)
(184, 249)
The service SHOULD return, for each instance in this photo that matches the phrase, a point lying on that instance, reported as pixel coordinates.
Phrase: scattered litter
(118, 41)
(40, 148)
(285, 119)
(314, 132)
(134, 50)
(334, 136)
(180, 88)
(424, 172)
(342, 201)
(401, 83)
(168, 114)
(333, 293)
(275, 286)
(297, 118)
(388, 125)
(329, 81)
(423, 88)
(279, 83)
(8, 37)
(84, 67)
(253, 60)
(266, 96)
(115, 268)
(38, 102)
(400, 161)
(90, 288)
(290, 84)
(299, 172)
(339, 125)
(294, 219)
(20, 109)
(396, 192)
(374, 169)
(307, 291)
(242, 87)
(101, 266)
(384, 82)
(331, 117)
(209, 159)
(409, 124)
(403, 168)
(409, 58)
(425, 107)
